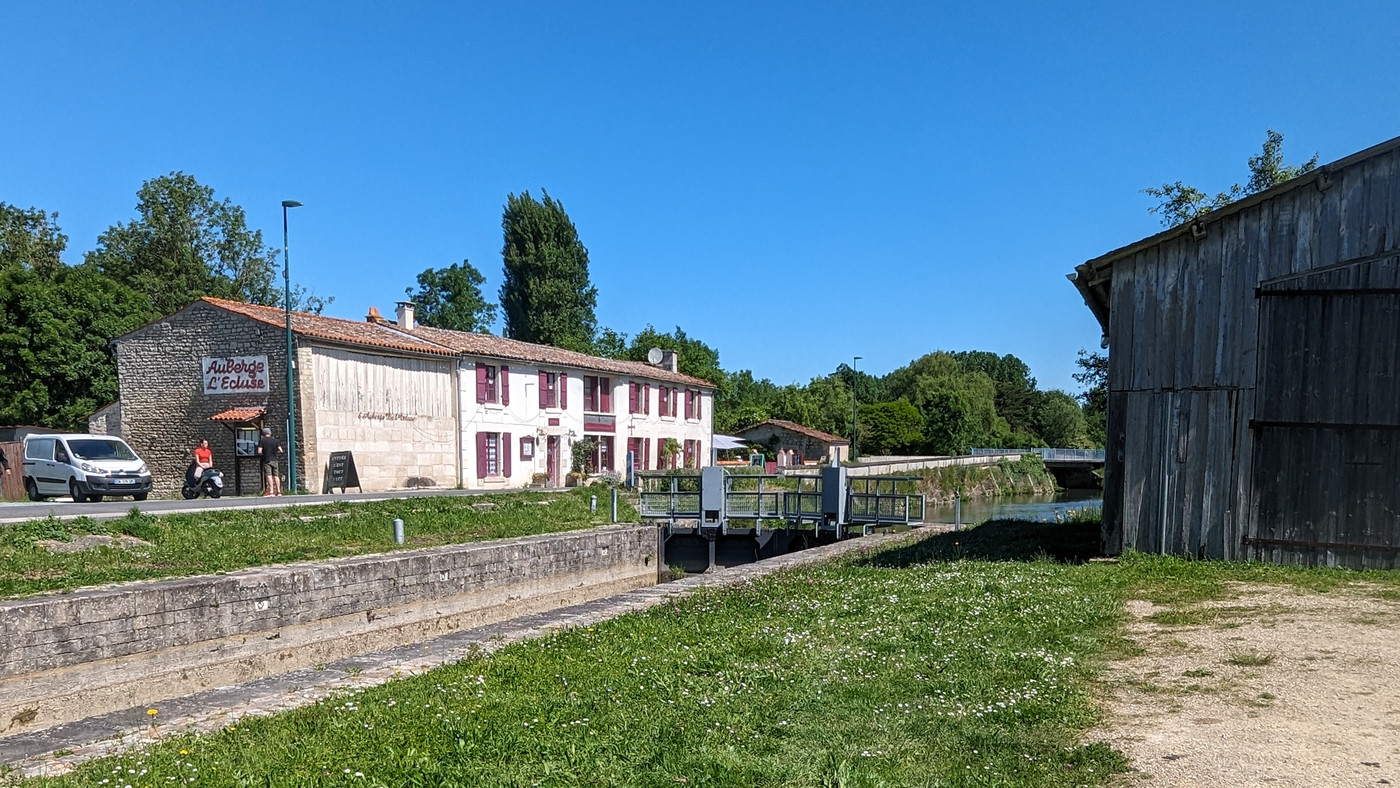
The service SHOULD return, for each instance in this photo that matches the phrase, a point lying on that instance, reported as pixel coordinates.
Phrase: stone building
(811, 445)
(416, 406)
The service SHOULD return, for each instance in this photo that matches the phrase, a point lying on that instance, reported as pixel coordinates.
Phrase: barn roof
(792, 426)
(1094, 278)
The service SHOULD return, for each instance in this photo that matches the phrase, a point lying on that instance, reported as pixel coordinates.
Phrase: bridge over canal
(1073, 468)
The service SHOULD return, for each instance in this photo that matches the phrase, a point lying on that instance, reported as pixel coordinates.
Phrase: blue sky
(793, 183)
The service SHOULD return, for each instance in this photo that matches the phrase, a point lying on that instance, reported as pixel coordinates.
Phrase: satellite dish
(654, 356)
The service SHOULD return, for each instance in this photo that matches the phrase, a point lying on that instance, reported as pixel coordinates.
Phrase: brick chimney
(670, 359)
(375, 317)
(405, 315)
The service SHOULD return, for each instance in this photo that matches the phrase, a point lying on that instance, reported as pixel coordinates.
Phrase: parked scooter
(209, 484)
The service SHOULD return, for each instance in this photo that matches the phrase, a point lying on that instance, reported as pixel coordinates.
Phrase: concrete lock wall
(95, 651)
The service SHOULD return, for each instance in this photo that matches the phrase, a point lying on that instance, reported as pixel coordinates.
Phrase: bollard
(398, 531)
(614, 504)
(957, 511)
(592, 504)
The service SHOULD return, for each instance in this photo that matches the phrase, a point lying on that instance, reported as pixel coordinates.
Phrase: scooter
(210, 484)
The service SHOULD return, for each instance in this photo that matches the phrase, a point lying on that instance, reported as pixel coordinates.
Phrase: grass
(969, 659)
(222, 541)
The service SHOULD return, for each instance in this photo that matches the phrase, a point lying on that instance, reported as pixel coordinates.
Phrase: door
(552, 460)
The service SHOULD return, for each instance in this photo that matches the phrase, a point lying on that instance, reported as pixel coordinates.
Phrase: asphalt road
(64, 508)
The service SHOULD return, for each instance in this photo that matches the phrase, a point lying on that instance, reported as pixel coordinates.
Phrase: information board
(341, 472)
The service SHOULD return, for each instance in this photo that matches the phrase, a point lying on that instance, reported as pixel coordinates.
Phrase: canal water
(1036, 508)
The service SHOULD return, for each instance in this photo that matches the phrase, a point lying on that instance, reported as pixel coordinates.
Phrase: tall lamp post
(854, 402)
(291, 396)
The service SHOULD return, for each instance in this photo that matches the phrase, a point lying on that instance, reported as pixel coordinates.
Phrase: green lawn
(966, 660)
(221, 541)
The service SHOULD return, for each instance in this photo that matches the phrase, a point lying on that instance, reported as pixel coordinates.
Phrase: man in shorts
(269, 449)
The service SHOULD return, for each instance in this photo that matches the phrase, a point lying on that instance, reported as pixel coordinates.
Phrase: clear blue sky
(793, 183)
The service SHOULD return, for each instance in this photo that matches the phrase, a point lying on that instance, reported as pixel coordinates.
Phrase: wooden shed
(1253, 411)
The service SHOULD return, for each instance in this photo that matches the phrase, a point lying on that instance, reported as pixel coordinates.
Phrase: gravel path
(1280, 687)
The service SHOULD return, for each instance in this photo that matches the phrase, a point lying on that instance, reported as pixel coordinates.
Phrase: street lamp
(853, 407)
(291, 397)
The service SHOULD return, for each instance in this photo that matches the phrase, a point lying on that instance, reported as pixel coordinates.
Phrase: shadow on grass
(1001, 540)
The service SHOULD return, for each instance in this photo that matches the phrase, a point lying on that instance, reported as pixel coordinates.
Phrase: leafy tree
(546, 295)
(1060, 421)
(30, 239)
(744, 402)
(959, 407)
(451, 298)
(891, 428)
(1093, 376)
(185, 244)
(1180, 203)
(794, 403)
(611, 344)
(1016, 395)
(695, 358)
(56, 366)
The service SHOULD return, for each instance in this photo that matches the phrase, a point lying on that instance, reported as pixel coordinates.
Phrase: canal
(1036, 508)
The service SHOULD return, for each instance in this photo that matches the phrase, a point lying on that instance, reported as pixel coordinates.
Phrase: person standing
(269, 449)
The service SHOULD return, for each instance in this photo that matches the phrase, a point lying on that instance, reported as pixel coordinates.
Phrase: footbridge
(1073, 468)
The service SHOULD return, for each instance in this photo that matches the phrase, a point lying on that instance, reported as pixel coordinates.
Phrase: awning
(727, 442)
(239, 415)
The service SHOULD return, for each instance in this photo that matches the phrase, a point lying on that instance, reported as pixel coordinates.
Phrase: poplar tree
(546, 295)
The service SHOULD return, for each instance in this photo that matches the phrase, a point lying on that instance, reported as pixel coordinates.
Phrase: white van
(87, 467)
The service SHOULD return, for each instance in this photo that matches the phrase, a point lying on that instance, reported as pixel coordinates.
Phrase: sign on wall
(235, 375)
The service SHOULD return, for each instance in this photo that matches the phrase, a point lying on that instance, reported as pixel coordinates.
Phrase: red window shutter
(631, 397)
(563, 391)
(698, 400)
(506, 449)
(604, 395)
(646, 398)
(646, 454)
(505, 385)
(675, 401)
(481, 455)
(544, 389)
(480, 383)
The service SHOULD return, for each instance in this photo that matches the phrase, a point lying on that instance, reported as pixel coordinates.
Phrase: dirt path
(1277, 687)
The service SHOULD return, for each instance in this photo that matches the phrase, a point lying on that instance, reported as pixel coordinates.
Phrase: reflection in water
(1036, 508)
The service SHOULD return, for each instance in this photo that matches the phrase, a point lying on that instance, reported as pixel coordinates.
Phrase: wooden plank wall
(1180, 476)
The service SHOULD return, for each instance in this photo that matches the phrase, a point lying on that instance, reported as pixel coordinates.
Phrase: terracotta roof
(441, 341)
(354, 332)
(514, 350)
(824, 437)
(238, 415)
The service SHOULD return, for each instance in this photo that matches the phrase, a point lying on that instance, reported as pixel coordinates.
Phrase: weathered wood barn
(1253, 409)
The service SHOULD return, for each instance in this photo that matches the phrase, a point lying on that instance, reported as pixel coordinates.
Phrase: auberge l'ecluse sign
(235, 375)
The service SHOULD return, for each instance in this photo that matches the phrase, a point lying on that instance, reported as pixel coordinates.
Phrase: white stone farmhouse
(417, 406)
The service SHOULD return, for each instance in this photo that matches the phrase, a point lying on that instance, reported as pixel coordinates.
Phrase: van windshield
(98, 449)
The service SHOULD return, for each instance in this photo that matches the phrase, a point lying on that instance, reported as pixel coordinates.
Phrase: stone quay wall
(70, 656)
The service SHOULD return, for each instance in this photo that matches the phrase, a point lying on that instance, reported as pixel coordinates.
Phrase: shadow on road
(1000, 540)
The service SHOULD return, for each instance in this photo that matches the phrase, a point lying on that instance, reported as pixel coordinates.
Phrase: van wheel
(139, 496)
(32, 490)
(77, 494)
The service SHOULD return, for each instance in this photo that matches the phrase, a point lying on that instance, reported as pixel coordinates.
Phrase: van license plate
(123, 481)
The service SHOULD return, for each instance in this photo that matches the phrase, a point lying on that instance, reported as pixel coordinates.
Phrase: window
(668, 405)
(597, 394)
(527, 448)
(602, 457)
(639, 398)
(39, 449)
(692, 404)
(492, 385)
(554, 390)
(492, 454)
(692, 453)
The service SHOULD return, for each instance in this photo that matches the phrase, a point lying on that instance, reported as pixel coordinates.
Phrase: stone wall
(164, 408)
(89, 652)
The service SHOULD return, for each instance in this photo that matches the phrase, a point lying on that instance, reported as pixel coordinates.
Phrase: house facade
(805, 443)
(415, 406)
(1252, 383)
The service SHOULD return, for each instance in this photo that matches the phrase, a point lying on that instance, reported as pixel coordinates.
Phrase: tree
(546, 296)
(1060, 421)
(1093, 376)
(185, 244)
(451, 298)
(30, 239)
(695, 358)
(891, 428)
(1180, 203)
(56, 366)
(1016, 395)
(611, 344)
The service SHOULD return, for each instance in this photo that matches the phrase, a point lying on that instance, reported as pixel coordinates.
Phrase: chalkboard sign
(341, 472)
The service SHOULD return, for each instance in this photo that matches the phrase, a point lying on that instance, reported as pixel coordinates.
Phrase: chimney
(669, 360)
(405, 314)
(374, 316)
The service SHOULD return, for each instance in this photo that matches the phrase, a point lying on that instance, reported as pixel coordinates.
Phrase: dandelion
(152, 712)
